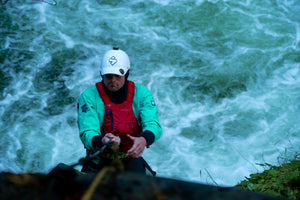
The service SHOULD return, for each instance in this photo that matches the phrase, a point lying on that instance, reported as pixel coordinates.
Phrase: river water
(225, 76)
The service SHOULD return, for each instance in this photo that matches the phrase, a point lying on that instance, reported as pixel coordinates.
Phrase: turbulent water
(225, 76)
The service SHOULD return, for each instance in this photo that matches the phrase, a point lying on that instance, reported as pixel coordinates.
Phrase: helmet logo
(113, 60)
(121, 71)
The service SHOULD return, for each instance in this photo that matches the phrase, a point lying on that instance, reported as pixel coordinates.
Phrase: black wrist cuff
(149, 137)
(97, 141)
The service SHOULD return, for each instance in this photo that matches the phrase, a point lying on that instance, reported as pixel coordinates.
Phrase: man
(119, 111)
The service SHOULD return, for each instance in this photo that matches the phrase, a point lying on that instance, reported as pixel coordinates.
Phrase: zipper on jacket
(111, 120)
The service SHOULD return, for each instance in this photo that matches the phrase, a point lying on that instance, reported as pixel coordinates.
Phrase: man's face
(113, 82)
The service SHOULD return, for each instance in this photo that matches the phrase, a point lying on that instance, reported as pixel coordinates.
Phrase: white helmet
(115, 62)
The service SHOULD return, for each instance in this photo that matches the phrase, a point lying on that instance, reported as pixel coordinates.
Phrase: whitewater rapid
(225, 76)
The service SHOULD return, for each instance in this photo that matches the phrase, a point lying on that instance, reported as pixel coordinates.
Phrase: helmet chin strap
(126, 75)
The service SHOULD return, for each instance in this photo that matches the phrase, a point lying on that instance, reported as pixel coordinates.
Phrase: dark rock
(63, 182)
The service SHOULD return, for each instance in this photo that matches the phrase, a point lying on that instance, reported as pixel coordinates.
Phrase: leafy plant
(281, 180)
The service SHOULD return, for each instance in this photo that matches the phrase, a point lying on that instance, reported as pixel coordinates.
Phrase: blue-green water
(225, 76)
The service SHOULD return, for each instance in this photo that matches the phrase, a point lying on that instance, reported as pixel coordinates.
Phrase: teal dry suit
(91, 111)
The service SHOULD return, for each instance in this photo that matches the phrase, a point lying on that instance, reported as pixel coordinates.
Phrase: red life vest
(119, 119)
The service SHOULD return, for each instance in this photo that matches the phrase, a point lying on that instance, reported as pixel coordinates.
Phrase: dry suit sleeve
(148, 114)
(88, 119)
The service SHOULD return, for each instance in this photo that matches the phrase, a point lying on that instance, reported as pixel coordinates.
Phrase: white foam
(205, 139)
(68, 40)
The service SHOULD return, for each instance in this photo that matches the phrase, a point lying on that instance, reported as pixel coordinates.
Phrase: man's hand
(137, 148)
(114, 139)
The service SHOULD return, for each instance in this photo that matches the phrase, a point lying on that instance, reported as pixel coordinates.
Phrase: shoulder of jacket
(141, 91)
(90, 92)
(139, 86)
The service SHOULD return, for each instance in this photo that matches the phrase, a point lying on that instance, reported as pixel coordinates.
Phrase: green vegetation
(281, 181)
